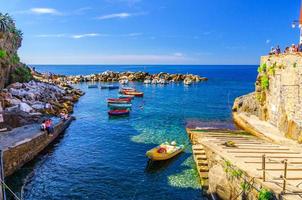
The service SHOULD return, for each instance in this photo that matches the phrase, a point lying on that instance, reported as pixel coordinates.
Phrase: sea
(99, 157)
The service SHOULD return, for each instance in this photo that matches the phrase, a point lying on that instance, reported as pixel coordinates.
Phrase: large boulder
(25, 107)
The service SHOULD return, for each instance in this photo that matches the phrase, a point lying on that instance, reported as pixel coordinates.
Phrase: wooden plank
(264, 152)
(255, 148)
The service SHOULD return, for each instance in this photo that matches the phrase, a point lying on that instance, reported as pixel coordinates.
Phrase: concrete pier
(22, 144)
(235, 158)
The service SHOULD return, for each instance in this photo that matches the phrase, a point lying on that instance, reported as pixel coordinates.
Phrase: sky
(152, 31)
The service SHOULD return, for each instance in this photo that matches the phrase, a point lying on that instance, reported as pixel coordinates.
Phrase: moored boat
(122, 96)
(118, 112)
(147, 81)
(119, 106)
(164, 151)
(124, 81)
(92, 86)
(110, 87)
(119, 100)
(134, 93)
(187, 81)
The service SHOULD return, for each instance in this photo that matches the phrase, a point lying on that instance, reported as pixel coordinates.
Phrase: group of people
(47, 125)
(288, 50)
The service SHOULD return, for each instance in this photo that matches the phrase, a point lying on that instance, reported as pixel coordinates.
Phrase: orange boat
(134, 93)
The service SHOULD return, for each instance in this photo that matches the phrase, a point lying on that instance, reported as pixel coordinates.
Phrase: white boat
(124, 81)
(154, 81)
(147, 81)
(187, 81)
(162, 81)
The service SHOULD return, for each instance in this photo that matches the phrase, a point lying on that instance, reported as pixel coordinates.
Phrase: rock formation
(277, 99)
(11, 69)
(159, 78)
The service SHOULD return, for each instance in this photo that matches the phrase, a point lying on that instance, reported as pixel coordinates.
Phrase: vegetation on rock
(10, 40)
(265, 194)
(22, 74)
(3, 54)
(264, 82)
(15, 59)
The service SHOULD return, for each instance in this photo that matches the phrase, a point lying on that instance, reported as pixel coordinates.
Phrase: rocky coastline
(31, 102)
(110, 76)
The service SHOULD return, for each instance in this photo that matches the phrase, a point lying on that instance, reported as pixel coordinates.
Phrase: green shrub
(262, 68)
(264, 82)
(264, 194)
(15, 59)
(3, 54)
(271, 70)
(21, 75)
(295, 65)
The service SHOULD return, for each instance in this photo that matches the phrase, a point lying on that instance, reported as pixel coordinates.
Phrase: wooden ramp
(250, 154)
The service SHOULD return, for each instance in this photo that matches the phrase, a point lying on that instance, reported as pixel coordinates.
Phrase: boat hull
(118, 112)
(155, 156)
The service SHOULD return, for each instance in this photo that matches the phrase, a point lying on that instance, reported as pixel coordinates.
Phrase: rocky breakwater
(26, 103)
(110, 76)
(275, 107)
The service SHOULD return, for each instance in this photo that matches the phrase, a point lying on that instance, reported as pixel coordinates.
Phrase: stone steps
(201, 164)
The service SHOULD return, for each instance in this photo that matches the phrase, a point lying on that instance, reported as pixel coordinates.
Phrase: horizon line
(149, 64)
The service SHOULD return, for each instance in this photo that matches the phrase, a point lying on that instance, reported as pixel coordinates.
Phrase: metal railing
(283, 176)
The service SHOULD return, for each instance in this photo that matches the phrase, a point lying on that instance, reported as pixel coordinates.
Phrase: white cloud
(121, 15)
(43, 11)
(85, 35)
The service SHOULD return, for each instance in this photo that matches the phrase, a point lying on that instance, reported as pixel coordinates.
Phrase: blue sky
(151, 31)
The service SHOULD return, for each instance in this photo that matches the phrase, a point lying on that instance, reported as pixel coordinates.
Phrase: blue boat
(92, 86)
(110, 87)
(124, 96)
(119, 106)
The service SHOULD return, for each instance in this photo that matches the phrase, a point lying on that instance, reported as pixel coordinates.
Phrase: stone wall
(228, 182)
(16, 156)
(277, 100)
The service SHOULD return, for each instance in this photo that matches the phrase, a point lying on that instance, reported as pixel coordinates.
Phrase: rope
(6, 186)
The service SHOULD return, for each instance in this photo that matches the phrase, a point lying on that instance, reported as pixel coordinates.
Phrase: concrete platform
(22, 144)
(247, 156)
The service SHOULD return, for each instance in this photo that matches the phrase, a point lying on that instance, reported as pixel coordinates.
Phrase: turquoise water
(103, 158)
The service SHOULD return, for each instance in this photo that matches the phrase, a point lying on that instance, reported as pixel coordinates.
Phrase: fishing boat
(128, 89)
(147, 81)
(119, 106)
(165, 151)
(134, 93)
(124, 81)
(187, 81)
(118, 112)
(110, 87)
(92, 86)
(122, 96)
(119, 100)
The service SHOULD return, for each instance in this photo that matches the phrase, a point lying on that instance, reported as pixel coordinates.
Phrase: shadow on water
(27, 171)
(157, 166)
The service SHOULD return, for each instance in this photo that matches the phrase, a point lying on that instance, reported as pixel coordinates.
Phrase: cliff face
(10, 41)
(278, 95)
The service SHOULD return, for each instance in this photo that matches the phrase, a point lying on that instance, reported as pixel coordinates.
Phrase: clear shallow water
(102, 158)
